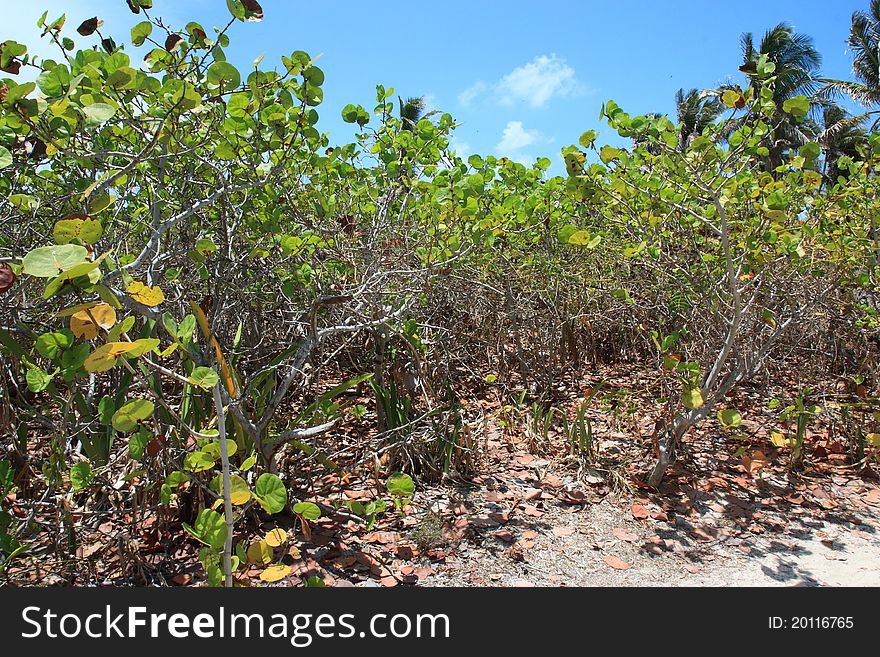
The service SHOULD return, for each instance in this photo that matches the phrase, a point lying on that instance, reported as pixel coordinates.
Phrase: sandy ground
(723, 538)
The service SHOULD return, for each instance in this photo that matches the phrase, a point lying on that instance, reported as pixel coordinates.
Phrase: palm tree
(411, 111)
(797, 66)
(696, 110)
(842, 134)
(864, 42)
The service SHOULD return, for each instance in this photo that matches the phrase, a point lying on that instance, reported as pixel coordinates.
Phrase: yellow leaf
(275, 537)
(104, 357)
(149, 296)
(259, 553)
(692, 397)
(873, 439)
(87, 322)
(169, 350)
(239, 497)
(275, 573)
(225, 371)
(778, 439)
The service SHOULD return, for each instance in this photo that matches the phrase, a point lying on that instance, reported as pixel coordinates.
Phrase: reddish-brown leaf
(7, 277)
(88, 26)
(13, 67)
(625, 535)
(254, 8)
(173, 41)
(639, 511)
(616, 562)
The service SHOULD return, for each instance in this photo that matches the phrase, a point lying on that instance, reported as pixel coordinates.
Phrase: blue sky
(523, 78)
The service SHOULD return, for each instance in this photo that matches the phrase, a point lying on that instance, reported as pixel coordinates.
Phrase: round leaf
(271, 493)
(204, 378)
(275, 573)
(692, 397)
(149, 296)
(730, 418)
(87, 322)
(400, 485)
(81, 475)
(210, 528)
(49, 261)
(259, 553)
(307, 510)
(224, 74)
(7, 277)
(276, 537)
(131, 413)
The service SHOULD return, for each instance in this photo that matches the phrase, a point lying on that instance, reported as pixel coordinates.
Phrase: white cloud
(469, 95)
(515, 138)
(461, 148)
(535, 84)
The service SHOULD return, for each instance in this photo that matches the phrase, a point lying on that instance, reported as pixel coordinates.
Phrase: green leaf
(209, 528)
(798, 107)
(140, 32)
(198, 461)
(730, 418)
(98, 113)
(692, 397)
(49, 261)
(609, 153)
(102, 203)
(137, 443)
(38, 379)
(83, 229)
(204, 378)
(225, 75)
(7, 476)
(271, 493)
(810, 152)
(172, 482)
(49, 345)
(400, 485)
(5, 157)
(131, 414)
(777, 200)
(308, 510)
(586, 140)
(81, 475)
(239, 491)
(236, 9)
(585, 239)
(213, 448)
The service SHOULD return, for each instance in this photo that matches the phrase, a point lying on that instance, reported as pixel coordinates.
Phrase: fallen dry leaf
(616, 562)
(640, 512)
(754, 461)
(625, 535)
